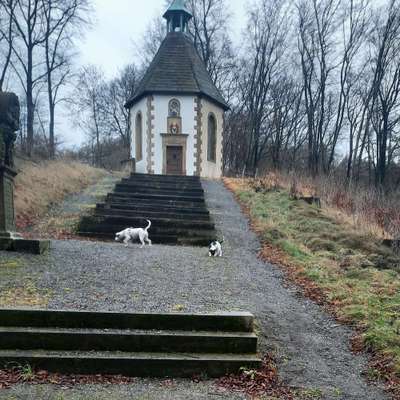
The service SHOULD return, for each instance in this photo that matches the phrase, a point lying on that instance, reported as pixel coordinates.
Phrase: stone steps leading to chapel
(176, 206)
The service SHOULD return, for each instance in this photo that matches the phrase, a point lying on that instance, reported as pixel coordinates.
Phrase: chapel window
(139, 137)
(212, 139)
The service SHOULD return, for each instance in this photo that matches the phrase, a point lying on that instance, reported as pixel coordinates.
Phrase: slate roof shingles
(177, 68)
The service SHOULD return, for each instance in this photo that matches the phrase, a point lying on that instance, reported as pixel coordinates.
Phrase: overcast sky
(117, 25)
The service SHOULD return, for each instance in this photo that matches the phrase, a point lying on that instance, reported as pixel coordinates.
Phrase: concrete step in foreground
(143, 345)
(146, 365)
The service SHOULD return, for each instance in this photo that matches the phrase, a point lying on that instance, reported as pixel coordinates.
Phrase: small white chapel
(177, 113)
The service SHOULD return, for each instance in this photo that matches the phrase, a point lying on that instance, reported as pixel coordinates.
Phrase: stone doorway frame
(179, 140)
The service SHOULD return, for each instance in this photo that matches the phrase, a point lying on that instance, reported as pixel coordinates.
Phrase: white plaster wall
(141, 166)
(160, 126)
(210, 169)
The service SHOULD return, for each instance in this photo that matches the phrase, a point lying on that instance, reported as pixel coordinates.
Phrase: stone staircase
(142, 345)
(175, 205)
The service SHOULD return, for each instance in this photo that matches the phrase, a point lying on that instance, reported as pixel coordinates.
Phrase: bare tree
(28, 19)
(211, 35)
(386, 87)
(316, 30)
(354, 28)
(7, 9)
(88, 109)
(62, 18)
(267, 44)
(119, 90)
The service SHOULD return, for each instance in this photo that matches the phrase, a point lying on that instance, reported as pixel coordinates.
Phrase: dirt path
(313, 351)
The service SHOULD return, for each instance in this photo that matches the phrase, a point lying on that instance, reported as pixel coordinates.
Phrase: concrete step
(222, 321)
(127, 340)
(169, 240)
(160, 232)
(182, 365)
(155, 211)
(152, 215)
(163, 185)
(159, 197)
(164, 239)
(121, 198)
(158, 224)
(164, 178)
(119, 188)
(164, 197)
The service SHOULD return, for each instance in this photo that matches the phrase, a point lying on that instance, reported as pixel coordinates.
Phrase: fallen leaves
(14, 376)
(262, 382)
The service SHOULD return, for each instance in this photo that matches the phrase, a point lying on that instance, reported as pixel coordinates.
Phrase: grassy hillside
(337, 264)
(41, 185)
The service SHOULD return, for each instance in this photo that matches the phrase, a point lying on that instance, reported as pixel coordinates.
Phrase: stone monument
(9, 124)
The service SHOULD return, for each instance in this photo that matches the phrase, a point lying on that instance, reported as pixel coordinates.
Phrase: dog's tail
(148, 226)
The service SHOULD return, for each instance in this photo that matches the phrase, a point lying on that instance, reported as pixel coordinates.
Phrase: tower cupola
(177, 16)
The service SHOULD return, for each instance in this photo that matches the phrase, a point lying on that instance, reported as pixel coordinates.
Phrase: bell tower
(177, 17)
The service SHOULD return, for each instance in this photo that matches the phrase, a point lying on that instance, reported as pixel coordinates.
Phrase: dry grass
(27, 295)
(366, 209)
(337, 263)
(38, 186)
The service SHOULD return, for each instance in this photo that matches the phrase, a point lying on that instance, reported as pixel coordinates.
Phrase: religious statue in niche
(174, 108)
(9, 123)
(174, 128)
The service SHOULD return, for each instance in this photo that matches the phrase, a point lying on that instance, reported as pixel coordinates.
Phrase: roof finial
(177, 16)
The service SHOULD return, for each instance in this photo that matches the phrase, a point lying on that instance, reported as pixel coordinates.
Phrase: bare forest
(313, 85)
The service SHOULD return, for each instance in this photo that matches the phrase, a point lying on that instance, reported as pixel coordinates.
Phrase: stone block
(31, 246)
(24, 245)
(6, 244)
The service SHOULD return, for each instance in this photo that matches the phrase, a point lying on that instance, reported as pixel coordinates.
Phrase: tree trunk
(29, 104)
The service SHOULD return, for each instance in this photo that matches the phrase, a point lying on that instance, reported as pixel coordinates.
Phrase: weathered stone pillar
(7, 214)
(9, 123)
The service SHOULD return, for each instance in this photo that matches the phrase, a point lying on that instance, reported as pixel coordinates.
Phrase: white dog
(215, 249)
(131, 234)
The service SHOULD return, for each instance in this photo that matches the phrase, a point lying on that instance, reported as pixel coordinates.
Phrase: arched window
(139, 136)
(212, 139)
(174, 108)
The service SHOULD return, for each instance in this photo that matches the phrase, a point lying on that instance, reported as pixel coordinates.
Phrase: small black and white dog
(132, 234)
(215, 249)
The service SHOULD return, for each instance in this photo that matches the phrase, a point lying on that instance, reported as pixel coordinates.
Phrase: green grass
(358, 275)
(11, 263)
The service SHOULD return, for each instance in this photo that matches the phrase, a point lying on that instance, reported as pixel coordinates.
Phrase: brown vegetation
(40, 185)
(365, 208)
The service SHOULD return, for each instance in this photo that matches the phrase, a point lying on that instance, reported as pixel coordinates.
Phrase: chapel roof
(177, 69)
(177, 6)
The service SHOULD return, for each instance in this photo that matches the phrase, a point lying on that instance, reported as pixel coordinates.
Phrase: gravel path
(313, 350)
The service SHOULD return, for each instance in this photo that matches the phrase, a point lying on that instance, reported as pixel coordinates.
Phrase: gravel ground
(313, 350)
